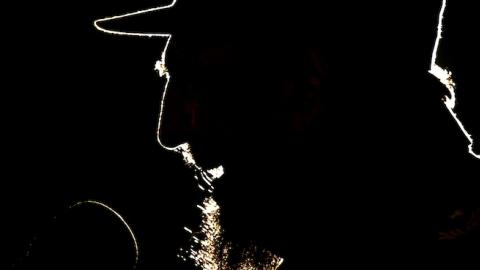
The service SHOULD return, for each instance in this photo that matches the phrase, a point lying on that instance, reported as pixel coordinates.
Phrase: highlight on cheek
(446, 78)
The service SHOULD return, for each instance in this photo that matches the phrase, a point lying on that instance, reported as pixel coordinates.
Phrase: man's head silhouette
(318, 113)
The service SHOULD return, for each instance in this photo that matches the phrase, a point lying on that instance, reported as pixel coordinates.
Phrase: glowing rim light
(206, 256)
(183, 149)
(445, 78)
(134, 239)
(208, 176)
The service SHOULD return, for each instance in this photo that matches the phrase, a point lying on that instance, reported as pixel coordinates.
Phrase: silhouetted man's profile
(330, 129)
(333, 137)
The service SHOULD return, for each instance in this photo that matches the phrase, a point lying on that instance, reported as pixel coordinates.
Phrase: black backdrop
(79, 113)
(79, 122)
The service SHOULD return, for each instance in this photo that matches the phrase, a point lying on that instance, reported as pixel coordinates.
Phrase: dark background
(79, 115)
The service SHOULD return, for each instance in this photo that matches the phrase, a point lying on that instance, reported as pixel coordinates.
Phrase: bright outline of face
(212, 240)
